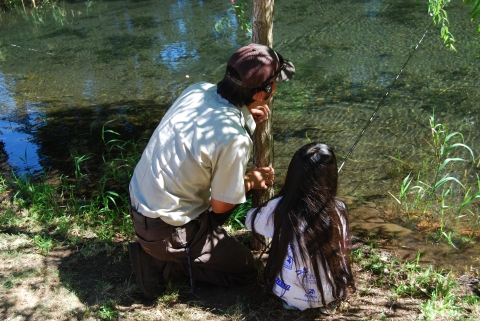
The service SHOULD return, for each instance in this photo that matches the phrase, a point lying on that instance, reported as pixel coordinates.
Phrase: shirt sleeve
(264, 220)
(229, 167)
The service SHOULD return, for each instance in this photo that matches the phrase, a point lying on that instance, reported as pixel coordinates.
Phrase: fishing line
(380, 104)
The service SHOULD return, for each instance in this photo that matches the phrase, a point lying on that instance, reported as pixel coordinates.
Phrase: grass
(439, 290)
(107, 311)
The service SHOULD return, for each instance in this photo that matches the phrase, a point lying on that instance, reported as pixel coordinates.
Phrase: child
(308, 265)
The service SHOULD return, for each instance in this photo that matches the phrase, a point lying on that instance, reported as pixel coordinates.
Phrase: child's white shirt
(299, 285)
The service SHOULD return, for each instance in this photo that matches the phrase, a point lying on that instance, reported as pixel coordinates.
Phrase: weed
(236, 311)
(44, 243)
(442, 299)
(64, 207)
(8, 284)
(171, 294)
(471, 300)
(78, 161)
(107, 311)
(439, 289)
(237, 220)
(357, 255)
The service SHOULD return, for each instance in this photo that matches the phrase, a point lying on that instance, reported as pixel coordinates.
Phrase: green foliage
(438, 289)
(37, 10)
(467, 199)
(442, 147)
(243, 22)
(237, 220)
(107, 311)
(475, 10)
(171, 293)
(8, 284)
(443, 300)
(65, 210)
(437, 9)
(44, 243)
(442, 192)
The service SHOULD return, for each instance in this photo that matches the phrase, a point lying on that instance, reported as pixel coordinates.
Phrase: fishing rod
(267, 247)
(31, 49)
(379, 104)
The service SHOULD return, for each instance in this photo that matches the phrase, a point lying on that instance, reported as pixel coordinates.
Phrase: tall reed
(439, 190)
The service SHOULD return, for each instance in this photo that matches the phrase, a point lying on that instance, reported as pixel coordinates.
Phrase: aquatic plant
(37, 11)
(437, 190)
(442, 147)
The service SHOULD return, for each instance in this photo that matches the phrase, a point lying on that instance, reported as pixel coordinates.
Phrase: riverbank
(47, 279)
(95, 282)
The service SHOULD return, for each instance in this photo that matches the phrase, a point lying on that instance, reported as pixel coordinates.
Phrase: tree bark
(262, 33)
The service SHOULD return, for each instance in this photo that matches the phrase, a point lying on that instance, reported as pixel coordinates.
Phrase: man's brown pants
(215, 256)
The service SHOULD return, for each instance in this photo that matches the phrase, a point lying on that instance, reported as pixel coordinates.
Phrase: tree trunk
(262, 33)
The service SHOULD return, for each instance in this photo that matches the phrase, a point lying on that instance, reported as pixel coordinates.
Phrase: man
(191, 176)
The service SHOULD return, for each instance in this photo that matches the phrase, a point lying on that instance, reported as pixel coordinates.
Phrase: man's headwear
(255, 66)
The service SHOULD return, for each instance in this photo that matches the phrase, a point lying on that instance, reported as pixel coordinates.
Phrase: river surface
(120, 64)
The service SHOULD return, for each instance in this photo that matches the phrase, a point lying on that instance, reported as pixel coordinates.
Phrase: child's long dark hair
(309, 214)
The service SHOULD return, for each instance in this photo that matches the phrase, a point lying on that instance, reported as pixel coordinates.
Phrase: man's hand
(259, 178)
(260, 113)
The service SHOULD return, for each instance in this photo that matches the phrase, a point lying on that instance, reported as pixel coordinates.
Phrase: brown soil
(79, 283)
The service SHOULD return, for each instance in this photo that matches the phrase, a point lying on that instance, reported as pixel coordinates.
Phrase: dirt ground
(77, 283)
(96, 282)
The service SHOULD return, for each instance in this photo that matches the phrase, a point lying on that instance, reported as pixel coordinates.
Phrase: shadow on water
(94, 132)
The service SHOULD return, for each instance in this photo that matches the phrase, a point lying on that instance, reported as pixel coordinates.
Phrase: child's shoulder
(341, 206)
(340, 203)
(273, 202)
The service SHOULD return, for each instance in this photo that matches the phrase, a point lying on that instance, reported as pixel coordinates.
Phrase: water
(63, 76)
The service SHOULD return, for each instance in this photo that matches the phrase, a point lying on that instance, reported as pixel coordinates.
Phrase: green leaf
(448, 160)
(398, 201)
(449, 148)
(453, 135)
(475, 10)
(446, 179)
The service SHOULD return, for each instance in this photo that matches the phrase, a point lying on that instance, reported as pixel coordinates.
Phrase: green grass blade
(448, 160)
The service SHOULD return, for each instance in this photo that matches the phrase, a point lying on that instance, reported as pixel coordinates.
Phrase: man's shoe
(147, 269)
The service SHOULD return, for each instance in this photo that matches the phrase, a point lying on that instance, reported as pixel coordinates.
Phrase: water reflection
(128, 21)
(89, 89)
(373, 8)
(173, 55)
(16, 131)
